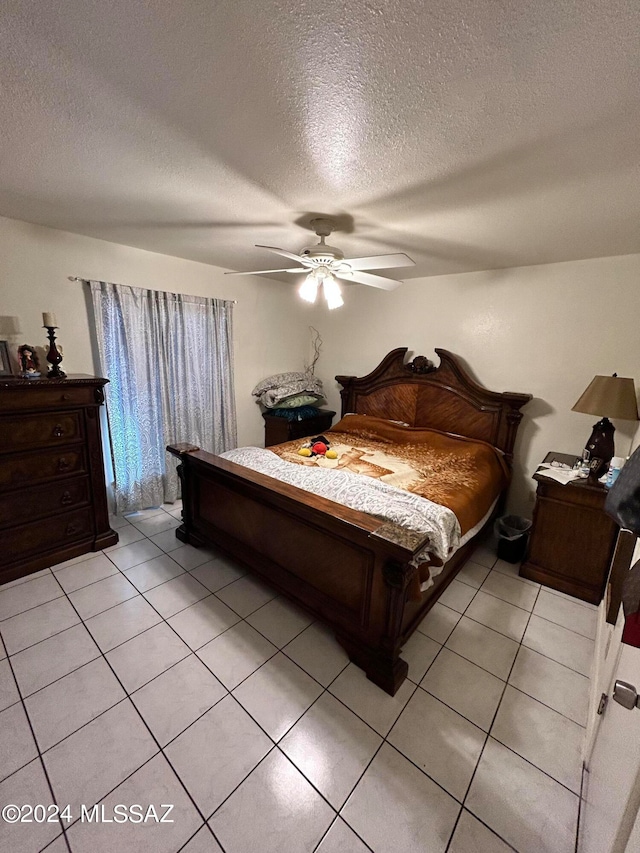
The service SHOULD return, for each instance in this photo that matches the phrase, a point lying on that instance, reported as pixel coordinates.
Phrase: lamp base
(601, 447)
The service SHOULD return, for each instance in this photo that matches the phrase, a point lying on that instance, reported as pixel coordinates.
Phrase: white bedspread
(365, 494)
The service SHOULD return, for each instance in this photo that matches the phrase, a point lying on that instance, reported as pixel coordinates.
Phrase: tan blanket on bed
(462, 474)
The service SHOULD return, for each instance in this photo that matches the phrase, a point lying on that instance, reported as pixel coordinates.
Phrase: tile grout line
(204, 826)
(28, 609)
(38, 756)
(583, 780)
(101, 653)
(325, 689)
(111, 607)
(275, 746)
(291, 727)
(5, 586)
(550, 707)
(160, 750)
(229, 693)
(359, 778)
(560, 625)
(520, 642)
(398, 718)
(391, 745)
(558, 593)
(336, 819)
(384, 737)
(488, 735)
(507, 747)
(519, 689)
(214, 592)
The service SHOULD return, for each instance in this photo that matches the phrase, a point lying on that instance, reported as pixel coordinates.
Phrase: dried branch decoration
(316, 342)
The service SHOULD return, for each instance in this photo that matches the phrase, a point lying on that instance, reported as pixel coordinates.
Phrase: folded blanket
(274, 389)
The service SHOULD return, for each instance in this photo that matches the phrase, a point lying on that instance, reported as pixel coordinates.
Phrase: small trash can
(512, 532)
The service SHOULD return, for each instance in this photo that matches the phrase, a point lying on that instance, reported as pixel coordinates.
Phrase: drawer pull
(66, 397)
(63, 464)
(66, 499)
(58, 431)
(73, 529)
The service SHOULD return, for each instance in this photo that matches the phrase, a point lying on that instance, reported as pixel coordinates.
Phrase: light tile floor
(156, 673)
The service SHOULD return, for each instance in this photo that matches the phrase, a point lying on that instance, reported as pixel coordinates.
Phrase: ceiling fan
(324, 264)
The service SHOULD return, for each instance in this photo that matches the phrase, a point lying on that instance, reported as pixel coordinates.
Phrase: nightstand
(572, 539)
(278, 430)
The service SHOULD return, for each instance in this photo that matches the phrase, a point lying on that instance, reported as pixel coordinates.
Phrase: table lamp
(606, 396)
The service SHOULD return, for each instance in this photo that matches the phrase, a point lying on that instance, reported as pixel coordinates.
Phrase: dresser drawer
(49, 534)
(30, 504)
(26, 469)
(48, 396)
(22, 432)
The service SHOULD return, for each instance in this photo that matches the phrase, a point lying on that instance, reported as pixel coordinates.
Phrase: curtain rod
(87, 281)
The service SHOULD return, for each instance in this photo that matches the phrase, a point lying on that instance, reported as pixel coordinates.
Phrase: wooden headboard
(444, 398)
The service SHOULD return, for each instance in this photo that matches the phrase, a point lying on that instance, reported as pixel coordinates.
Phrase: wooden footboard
(349, 569)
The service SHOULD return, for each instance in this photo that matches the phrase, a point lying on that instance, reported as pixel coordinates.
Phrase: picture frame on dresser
(5, 359)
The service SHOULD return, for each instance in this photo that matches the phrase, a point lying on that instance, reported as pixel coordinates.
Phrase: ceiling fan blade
(380, 262)
(371, 280)
(265, 272)
(286, 254)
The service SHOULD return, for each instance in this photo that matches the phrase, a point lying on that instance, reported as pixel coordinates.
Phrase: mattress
(462, 474)
(441, 485)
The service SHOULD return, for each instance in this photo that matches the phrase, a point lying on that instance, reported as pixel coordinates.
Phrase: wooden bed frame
(348, 568)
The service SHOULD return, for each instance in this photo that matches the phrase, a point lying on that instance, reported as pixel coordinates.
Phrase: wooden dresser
(572, 539)
(53, 502)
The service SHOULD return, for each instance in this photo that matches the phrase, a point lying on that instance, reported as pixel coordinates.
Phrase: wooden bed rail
(403, 544)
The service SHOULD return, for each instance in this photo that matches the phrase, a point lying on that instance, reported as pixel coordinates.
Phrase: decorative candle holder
(53, 356)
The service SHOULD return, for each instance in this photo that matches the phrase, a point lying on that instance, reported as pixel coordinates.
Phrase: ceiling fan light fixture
(332, 293)
(308, 290)
(323, 264)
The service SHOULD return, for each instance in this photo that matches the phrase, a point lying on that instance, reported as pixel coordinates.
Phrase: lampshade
(321, 276)
(308, 290)
(609, 397)
(332, 293)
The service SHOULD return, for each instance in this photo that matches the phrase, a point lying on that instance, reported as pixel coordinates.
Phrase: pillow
(296, 401)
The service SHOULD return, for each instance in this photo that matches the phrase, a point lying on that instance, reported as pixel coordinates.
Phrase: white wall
(546, 330)
(35, 263)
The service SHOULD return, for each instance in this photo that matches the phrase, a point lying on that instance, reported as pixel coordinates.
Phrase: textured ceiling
(472, 134)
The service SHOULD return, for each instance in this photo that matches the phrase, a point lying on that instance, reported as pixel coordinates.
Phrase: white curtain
(169, 362)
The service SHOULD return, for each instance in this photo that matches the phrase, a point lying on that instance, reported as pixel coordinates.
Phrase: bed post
(382, 663)
(185, 532)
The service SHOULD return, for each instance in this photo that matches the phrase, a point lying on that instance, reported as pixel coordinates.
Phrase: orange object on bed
(463, 474)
